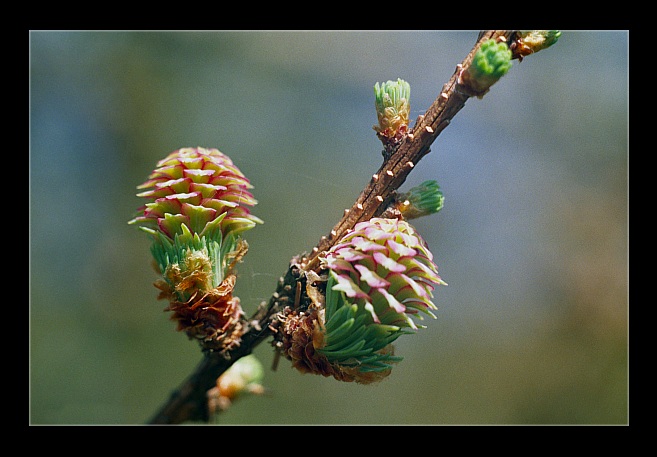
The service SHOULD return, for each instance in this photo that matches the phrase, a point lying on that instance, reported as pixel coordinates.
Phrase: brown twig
(377, 195)
(189, 401)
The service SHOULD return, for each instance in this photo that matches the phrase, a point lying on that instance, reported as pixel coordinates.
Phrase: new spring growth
(393, 107)
(242, 378)
(197, 210)
(381, 278)
(491, 61)
(422, 200)
(379, 286)
(530, 41)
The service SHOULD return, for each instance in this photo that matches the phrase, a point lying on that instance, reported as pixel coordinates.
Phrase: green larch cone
(198, 208)
(381, 278)
(393, 108)
(491, 61)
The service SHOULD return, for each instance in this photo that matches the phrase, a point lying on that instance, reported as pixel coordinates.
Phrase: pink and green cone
(198, 209)
(380, 283)
(195, 187)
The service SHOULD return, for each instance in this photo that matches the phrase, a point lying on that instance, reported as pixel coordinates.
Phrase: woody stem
(379, 192)
(189, 401)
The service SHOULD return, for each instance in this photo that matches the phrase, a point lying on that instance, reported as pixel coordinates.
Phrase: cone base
(301, 338)
(213, 318)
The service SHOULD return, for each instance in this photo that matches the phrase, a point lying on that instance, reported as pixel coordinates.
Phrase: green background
(533, 238)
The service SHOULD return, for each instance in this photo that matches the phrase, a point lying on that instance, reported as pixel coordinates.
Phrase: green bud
(244, 373)
(491, 62)
(422, 200)
(392, 102)
(243, 377)
(531, 41)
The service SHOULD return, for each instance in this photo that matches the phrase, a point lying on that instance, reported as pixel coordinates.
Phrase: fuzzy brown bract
(214, 318)
(303, 334)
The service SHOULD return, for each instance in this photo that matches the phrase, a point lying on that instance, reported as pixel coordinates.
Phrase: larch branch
(189, 401)
(378, 193)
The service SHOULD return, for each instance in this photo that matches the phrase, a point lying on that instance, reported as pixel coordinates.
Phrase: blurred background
(533, 238)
